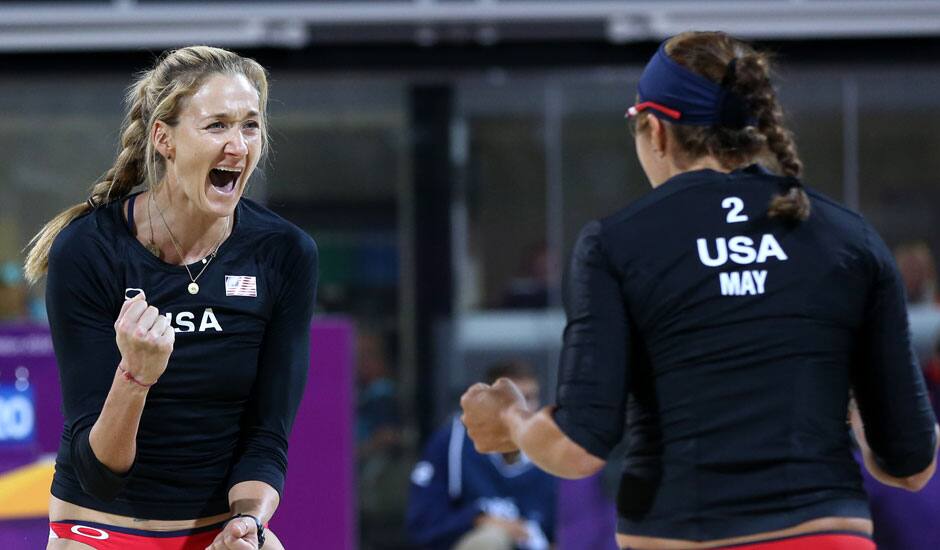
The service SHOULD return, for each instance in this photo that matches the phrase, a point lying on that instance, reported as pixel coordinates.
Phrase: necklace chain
(206, 261)
(152, 245)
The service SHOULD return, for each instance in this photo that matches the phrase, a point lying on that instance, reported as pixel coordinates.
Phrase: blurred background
(445, 153)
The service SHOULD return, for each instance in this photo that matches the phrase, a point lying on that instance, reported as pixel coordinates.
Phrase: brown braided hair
(709, 54)
(156, 95)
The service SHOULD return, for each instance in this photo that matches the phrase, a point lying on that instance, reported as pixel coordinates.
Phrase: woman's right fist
(144, 338)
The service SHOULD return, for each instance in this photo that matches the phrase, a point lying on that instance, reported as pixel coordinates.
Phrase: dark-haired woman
(726, 316)
(180, 317)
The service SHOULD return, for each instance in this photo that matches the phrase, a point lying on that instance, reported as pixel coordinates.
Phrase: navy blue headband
(674, 93)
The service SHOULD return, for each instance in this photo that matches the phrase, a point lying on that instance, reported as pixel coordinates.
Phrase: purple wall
(904, 520)
(318, 497)
(586, 518)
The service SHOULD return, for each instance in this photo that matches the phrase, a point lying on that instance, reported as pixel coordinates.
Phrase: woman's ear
(162, 139)
(659, 136)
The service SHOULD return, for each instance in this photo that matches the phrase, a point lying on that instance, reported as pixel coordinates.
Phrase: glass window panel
(505, 189)
(898, 117)
(338, 139)
(600, 170)
(338, 161)
(55, 141)
(812, 105)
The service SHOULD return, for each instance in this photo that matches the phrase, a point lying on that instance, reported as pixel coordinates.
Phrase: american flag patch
(240, 285)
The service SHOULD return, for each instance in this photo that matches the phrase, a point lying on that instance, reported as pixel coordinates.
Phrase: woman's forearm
(539, 437)
(911, 483)
(145, 339)
(113, 438)
(915, 482)
(255, 498)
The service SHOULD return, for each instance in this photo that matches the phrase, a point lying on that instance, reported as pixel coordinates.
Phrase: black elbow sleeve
(95, 478)
(912, 462)
(587, 428)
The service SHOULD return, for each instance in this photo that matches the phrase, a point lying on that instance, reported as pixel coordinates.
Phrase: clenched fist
(483, 406)
(144, 338)
(238, 534)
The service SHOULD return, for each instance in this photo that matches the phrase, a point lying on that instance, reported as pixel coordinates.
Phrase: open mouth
(224, 179)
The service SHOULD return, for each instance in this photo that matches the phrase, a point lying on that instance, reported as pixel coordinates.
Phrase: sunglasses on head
(635, 110)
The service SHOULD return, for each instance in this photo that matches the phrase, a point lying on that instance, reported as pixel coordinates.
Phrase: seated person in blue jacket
(463, 500)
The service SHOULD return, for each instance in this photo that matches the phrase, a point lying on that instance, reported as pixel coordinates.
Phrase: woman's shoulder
(89, 234)
(831, 206)
(273, 234)
(842, 223)
(85, 257)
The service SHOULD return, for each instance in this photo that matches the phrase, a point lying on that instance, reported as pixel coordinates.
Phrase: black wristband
(258, 525)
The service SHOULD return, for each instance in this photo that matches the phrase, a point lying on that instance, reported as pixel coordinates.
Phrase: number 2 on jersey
(735, 206)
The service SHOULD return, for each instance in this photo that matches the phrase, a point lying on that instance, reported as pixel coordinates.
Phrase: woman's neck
(178, 230)
(707, 162)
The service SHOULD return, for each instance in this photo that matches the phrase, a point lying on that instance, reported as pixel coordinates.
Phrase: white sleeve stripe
(454, 462)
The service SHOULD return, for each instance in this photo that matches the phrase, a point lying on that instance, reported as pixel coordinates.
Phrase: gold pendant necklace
(193, 287)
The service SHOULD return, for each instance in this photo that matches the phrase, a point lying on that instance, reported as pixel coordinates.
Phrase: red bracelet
(130, 377)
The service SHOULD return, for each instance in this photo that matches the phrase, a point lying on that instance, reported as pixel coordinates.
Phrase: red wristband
(130, 377)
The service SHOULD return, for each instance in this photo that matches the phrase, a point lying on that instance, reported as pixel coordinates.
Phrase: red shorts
(107, 537)
(812, 541)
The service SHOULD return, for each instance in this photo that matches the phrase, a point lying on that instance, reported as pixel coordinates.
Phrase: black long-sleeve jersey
(222, 411)
(729, 342)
